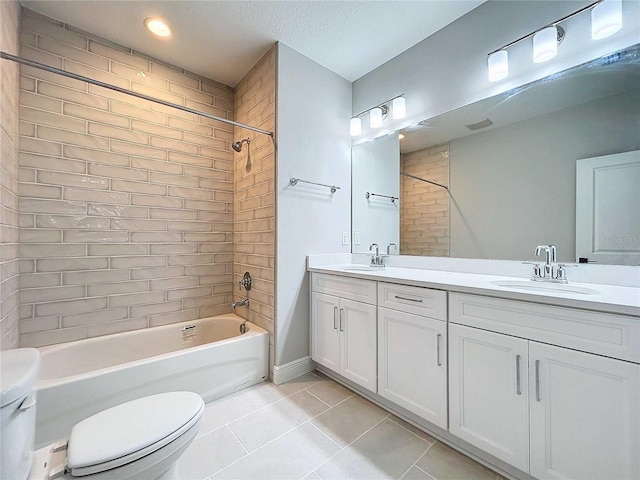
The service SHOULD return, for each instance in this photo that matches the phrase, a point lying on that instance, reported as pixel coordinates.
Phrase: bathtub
(207, 356)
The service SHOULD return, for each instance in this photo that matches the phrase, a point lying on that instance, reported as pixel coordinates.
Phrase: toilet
(138, 440)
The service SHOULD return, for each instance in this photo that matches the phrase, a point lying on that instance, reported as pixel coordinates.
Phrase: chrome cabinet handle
(335, 318)
(409, 299)
(341, 316)
(438, 362)
(518, 390)
(537, 380)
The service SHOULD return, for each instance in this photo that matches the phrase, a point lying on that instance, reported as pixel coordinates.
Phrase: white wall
(313, 143)
(449, 69)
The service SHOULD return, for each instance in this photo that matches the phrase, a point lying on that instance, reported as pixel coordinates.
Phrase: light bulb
(158, 27)
(355, 126)
(498, 65)
(399, 108)
(545, 44)
(606, 19)
(375, 117)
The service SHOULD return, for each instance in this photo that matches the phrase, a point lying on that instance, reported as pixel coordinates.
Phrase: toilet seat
(130, 431)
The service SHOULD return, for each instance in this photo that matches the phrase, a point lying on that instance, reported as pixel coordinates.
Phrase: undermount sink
(364, 268)
(544, 287)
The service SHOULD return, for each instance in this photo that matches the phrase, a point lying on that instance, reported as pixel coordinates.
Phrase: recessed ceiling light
(158, 27)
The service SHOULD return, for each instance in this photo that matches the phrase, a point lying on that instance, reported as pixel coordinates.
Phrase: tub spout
(243, 303)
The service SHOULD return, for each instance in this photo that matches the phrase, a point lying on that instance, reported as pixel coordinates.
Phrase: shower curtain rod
(75, 76)
(424, 180)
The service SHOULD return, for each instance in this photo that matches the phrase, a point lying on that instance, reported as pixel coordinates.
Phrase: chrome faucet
(395, 247)
(376, 260)
(552, 271)
(243, 303)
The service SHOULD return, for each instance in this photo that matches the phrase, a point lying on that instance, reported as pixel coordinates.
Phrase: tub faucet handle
(246, 282)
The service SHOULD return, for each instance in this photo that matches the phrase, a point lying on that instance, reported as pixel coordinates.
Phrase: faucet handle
(537, 271)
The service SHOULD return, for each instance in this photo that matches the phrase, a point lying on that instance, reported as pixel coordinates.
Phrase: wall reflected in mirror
(510, 165)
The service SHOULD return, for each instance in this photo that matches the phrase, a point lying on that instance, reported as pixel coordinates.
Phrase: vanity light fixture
(545, 43)
(606, 19)
(158, 27)
(498, 64)
(355, 126)
(399, 108)
(377, 114)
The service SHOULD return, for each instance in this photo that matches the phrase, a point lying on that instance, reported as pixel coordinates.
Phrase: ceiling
(222, 40)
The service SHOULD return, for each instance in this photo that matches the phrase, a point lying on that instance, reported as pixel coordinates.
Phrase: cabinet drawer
(420, 301)
(615, 336)
(344, 287)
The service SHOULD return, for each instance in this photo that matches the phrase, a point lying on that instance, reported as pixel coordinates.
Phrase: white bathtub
(207, 356)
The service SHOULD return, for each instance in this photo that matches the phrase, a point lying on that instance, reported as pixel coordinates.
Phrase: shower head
(237, 146)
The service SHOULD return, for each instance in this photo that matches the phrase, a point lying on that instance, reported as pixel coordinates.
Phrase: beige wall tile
(125, 201)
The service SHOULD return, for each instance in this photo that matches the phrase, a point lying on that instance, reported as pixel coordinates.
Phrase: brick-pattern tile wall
(254, 194)
(126, 217)
(424, 211)
(9, 79)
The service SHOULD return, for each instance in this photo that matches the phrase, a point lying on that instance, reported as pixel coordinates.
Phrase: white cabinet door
(325, 338)
(584, 415)
(358, 337)
(412, 363)
(488, 393)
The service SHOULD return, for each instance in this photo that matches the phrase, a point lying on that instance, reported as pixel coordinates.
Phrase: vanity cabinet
(412, 350)
(344, 328)
(551, 411)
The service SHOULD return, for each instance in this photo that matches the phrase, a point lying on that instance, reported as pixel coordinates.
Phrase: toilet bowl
(140, 439)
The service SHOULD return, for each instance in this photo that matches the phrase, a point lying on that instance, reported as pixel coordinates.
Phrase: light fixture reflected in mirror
(606, 19)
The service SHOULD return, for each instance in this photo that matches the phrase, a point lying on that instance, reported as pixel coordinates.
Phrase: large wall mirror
(498, 177)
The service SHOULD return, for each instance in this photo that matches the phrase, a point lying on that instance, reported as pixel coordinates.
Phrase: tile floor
(312, 428)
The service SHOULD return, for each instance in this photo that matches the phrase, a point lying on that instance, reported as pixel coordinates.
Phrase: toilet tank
(19, 371)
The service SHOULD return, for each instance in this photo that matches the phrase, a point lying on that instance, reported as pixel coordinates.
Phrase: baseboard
(291, 370)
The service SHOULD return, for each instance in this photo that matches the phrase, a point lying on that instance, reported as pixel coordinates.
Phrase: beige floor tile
(269, 422)
(267, 393)
(416, 474)
(223, 411)
(348, 420)
(412, 429)
(329, 391)
(386, 451)
(445, 463)
(290, 456)
(209, 453)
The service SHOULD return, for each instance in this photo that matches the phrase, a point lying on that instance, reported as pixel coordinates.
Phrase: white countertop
(608, 298)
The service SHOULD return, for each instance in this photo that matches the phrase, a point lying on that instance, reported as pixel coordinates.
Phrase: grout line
(239, 441)
(413, 433)
(350, 443)
(417, 460)
(330, 406)
(425, 472)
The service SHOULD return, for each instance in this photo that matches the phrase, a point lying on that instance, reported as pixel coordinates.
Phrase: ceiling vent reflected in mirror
(478, 125)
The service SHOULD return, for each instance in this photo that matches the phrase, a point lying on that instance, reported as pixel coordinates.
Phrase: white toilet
(141, 439)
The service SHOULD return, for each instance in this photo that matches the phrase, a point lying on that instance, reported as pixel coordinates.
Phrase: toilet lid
(130, 431)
